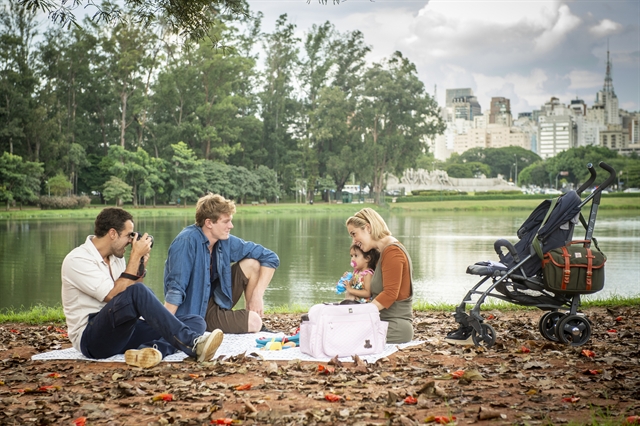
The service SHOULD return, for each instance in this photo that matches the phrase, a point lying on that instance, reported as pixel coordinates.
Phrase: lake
(314, 252)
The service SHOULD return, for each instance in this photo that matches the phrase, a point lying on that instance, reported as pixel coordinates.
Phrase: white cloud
(525, 50)
(552, 37)
(527, 91)
(605, 27)
(581, 79)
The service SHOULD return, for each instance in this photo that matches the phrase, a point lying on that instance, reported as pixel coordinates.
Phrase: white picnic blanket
(232, 344)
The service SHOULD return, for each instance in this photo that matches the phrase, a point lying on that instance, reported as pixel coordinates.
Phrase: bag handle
(537, 244)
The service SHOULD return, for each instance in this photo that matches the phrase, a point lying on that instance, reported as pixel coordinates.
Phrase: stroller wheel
(488, 337)
(574, 330)
(547, 325)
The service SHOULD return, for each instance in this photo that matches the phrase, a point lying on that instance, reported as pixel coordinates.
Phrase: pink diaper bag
(343, 330)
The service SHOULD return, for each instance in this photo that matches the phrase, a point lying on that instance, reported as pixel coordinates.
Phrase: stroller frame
(571, 327)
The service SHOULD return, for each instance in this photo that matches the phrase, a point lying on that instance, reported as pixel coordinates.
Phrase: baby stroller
(537, 271)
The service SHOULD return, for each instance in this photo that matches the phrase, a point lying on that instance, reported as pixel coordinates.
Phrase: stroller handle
(497, 246)
(589, 182)
(610, 179)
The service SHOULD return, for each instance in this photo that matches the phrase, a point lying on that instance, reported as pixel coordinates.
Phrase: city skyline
(526, 51)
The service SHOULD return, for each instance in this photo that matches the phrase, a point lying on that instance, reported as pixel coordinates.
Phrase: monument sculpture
(439, 180)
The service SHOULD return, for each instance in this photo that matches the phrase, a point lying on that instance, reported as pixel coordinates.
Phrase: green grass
(40, 314)
(468, 205)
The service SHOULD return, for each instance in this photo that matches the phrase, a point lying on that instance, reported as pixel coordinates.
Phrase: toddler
(357, 285)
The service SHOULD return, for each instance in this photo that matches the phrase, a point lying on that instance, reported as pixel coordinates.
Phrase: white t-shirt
(86, 281)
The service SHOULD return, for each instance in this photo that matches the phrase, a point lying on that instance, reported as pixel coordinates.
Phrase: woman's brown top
(396, 276)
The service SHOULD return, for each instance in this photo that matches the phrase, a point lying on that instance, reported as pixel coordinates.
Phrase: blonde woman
(391, 285)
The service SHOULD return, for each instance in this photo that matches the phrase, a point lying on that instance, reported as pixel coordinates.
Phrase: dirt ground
(523, 379)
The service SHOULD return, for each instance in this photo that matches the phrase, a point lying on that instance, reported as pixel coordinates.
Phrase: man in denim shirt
(208, 269)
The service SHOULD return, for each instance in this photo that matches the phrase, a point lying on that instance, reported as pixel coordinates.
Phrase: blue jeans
(118, 327)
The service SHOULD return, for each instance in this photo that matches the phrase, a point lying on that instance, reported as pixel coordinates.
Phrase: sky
(526, 51)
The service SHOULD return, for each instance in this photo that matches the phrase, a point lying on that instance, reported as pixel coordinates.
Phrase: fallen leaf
(430, 388)
(571, 399)
(443, 420)
(524, 350)
(632, 420)
(163, 397)
(272, 368)
(335, 361)
(331, 397)
(472, 375)
(457, 374)
(243, 387)
(249, 406)
(80, 421)
(588, 353)
(485, 413)
(223, 421)
(322, 369)
(410, 400)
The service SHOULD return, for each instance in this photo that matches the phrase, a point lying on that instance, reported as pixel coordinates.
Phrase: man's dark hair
(111, 217)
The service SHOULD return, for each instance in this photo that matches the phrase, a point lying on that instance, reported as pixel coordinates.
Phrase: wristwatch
(131, 276)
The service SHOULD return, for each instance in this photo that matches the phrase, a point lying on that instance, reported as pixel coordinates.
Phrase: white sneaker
(206, 345)
(143, 358)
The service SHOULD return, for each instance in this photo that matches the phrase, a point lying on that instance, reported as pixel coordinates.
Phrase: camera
(140, 236)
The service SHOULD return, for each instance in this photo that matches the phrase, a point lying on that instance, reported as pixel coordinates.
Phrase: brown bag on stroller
(574, 268)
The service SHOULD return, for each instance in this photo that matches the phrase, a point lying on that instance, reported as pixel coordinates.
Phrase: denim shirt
(187, 281)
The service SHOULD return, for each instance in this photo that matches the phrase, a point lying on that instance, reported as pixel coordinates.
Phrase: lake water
(314, 252)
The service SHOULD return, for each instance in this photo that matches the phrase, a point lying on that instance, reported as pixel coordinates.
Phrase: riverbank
(609, 202)
(523, 379)
(41, 314)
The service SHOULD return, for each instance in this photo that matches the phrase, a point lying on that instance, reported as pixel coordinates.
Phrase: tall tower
(608, 81)
(607, 99)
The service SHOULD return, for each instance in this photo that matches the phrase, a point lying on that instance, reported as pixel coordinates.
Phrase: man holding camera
(208, 270)
(110, 311)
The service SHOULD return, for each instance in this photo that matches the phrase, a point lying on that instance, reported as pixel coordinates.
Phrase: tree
(243, 183)
(129, 59)
(189, 173)
(18, 81)
(502, 161)
(191, 18)
(575, 160)
(395, 118)
(267, 183)
(217, 176)
(118, 190)
(468, 170)
(59, 185)
(129, 167)
(19, 180)
(279, 106)
(333, 136)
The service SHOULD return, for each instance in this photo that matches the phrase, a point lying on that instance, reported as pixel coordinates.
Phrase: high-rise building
(466, 107)
(556, 129)
(606, 99)
(500, 111)
(456, 93)
(449, 112)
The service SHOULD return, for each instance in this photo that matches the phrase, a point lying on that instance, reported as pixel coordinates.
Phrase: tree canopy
(192, 18)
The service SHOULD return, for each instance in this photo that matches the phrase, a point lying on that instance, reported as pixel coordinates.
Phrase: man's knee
(254, 322)
(250, 267)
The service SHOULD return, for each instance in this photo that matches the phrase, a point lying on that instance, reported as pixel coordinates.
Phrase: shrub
(436, 193)
(58, 203)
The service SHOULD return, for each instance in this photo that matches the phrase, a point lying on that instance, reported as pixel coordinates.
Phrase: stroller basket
(544, 269)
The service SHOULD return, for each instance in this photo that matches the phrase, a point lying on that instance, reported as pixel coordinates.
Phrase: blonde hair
(211, 206)
(371, 217)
